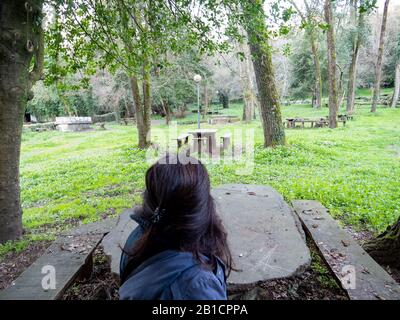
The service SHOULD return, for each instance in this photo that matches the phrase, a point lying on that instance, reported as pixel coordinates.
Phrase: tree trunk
(21, 39)
(141, 122)
(128, 113)
(145, 140)
(247, 87)
(385, 248)
(274, 133)
(341, 92)
(130, 108)
(318, 80)
(378, 65)
(396, 91)
(206, 98)
(307, 19)
(167, 112)
(247, 107)
(351, 85)
(224, 99)
(332, 79)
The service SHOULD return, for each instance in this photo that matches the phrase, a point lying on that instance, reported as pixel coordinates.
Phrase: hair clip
(158, 214)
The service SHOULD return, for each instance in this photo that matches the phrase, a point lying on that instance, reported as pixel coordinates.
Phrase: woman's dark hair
(189, 222)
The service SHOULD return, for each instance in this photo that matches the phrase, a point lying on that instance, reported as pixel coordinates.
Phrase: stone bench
(107, 117)
(225, 141)
(73, 123)
(39, 127)
(183, 139)
(360, 276)
(68, 258)
(127, 121)
(317, 123)
(222, 119)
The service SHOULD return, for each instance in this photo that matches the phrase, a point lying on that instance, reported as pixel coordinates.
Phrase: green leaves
(287, 14)
(89, 34)
(367, 6)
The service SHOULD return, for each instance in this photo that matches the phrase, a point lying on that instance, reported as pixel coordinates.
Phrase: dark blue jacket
(171, 275)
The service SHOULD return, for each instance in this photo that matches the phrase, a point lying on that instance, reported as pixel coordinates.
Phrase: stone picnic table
(210, 137)
(315, 122)
(264, 235)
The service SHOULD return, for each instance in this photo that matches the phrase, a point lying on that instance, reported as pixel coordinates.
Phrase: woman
(179, 250)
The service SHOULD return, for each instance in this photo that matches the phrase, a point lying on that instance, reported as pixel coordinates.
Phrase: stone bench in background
(73, 123)
(39, 127)
(107, 117)
(222, 119)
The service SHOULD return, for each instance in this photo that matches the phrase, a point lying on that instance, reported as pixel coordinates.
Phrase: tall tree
(260, 49)
(357, 16)
(311, 26)
(116, 35)
(332, 78)
(21, 50)
(379, 58)
(396, 91)
(246, 80)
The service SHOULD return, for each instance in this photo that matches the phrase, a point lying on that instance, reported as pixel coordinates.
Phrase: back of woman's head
(178, 195)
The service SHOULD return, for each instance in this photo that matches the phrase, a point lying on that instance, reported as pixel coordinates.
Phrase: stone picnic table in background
(210, 138)
(73, 123)
(316, 122)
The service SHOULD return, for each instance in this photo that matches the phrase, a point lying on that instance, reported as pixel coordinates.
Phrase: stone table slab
(264, 235)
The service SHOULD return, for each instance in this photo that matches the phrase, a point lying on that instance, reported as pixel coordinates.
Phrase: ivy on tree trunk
(378, 64)
(396, 91)
(274, 133)
(356, 44)
(385, 248)
(142, 108)
(21, 40)
(318, 79)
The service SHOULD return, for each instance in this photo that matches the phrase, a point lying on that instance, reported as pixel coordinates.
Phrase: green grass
(365, 92)
(354, 171)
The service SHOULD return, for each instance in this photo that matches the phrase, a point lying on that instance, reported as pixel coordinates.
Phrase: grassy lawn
(365, 92)
(354, 171)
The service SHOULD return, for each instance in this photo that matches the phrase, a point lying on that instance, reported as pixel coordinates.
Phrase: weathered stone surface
(265, 238)
(359, 274)
(99, 227)
(114, 241)
(68, 255)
